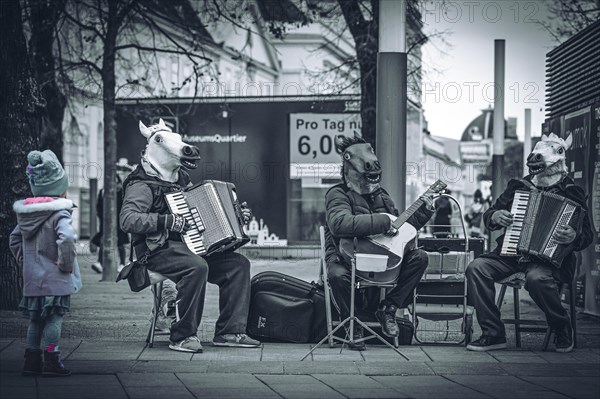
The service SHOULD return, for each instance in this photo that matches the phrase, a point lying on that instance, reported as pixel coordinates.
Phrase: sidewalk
(104, 345)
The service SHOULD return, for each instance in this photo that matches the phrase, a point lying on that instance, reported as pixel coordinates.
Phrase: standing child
(44, 243)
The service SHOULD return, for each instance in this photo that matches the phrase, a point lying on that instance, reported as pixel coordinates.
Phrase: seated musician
(547, 172)
(356, 208)
(157, 233)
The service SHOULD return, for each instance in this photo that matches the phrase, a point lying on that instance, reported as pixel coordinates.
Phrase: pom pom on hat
(46, 175)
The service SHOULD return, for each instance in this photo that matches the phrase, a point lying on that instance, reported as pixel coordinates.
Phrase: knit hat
(46, 174)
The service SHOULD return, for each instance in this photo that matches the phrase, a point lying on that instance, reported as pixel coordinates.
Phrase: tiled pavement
(118, 369)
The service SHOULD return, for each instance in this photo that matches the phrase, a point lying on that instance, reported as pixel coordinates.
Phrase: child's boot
(33, 362)
(53, 366)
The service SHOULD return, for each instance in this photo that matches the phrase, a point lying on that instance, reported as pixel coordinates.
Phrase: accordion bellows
(213, 210)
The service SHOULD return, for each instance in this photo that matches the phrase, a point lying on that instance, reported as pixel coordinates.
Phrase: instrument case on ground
(286, 309)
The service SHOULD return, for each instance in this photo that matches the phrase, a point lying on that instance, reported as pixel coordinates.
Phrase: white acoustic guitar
(394, 246)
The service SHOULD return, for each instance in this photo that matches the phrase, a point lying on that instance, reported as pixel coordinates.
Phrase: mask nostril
(538, 157)
(187, 150)
(368, 165)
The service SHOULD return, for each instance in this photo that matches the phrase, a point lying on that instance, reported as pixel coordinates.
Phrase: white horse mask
(166, 152)
(547, 162)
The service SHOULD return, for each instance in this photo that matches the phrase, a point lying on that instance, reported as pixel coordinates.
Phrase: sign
(479, 152)
(312, 139)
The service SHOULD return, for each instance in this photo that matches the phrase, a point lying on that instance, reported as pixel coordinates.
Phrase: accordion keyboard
(193, 237)
(513, 232)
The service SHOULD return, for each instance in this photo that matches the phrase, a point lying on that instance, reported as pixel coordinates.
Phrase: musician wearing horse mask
(547, 173)
(358, 207)
(156, 233)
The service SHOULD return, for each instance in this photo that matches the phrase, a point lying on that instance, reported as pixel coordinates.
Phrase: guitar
(394, 246)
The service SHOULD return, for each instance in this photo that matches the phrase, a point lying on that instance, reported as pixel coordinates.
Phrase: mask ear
(357, 134)
(161, 123)
(568, 141)
(144, 130)
(544, 137)
(341, 142)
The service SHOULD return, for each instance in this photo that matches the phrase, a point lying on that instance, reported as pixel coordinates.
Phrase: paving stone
(77, 392)
(89, 356)
(337, 354)
(587, 370)
(299, 386)
(514, 357)
(16, 380)
(384, 354)
(459, 354)
(540, 369)
(339, 382)
(211, 380)
(307, 367)
(211, 353)
(173, 366)
(81, 380)
(555, 357)
(149, 379)
(16, 351)
(157, 392)
(162, 352)
(18, 392)
(581, 387)
(503, 386)
(99, 366)
(234, 393)
(266, 367)
(388, 368)
(478, 368)
(285, 352)
(5, 343)
(110, 346)
(11, 365)
(586, 356)
(428, 387)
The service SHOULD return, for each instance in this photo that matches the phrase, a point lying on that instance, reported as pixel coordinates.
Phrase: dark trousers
(542, 282)
(411, 270)
(190, 272)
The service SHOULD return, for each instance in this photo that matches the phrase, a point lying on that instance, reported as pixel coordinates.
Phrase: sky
(459, 84)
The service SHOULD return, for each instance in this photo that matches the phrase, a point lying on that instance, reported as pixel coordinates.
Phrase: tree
(567, 17)
(21, 107)
(100, 35)
(44, 17)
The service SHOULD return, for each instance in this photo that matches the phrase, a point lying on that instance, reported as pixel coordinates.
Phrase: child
(44, 243)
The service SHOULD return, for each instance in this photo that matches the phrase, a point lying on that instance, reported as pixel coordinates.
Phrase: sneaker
(97, 267)
(358, 334)
(386, 315)
(487, 343)
(235, 341)
(564, 339)
(190, 344)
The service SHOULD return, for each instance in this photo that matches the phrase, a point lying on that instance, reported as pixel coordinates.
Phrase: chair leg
(517, 317)
(157, 294)
(501, 296)
(573, 312)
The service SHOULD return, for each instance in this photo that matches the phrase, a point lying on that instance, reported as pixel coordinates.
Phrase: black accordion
(213, 210)
(536, 216)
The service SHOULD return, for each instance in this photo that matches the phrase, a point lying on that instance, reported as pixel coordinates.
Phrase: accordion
(213, 211)
(536, 216)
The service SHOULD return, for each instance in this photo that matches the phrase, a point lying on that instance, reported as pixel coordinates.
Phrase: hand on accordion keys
(502, 218)
(177, 223)
(565, 235)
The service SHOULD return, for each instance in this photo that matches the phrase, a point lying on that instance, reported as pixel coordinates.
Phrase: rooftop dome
(482, 127)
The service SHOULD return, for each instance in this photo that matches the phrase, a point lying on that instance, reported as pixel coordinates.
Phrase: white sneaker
(97, 267)
(189, 344)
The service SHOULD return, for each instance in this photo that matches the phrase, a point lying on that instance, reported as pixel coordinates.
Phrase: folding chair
(349, 321)
(516, 281)
(156, 279)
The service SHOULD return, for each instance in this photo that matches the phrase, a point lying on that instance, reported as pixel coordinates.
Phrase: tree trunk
(20, 107)
(44, 18)
(109, 216)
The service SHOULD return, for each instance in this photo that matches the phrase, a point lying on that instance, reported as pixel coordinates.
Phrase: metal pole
(498, 141)
(93, 200)
(392, 98)
(527, 141)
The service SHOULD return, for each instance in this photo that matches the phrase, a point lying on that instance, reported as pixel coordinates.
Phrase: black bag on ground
(286, 309)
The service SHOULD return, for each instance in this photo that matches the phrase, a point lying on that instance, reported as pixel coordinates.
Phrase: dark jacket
(145, 208)
(122, 237)
(567, 188)
(350, 214)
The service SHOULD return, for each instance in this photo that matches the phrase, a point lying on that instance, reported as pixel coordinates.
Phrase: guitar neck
(404, 216)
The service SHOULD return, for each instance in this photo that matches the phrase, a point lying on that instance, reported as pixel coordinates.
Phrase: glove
(176, 223)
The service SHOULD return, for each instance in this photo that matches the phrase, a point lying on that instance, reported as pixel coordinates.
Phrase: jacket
(349, 214)
(144, 207)
(44, 243)
(567, 188)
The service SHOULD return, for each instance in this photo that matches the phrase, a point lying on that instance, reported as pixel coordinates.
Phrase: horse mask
(166, 152)
(547, 162)
(361, 170)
